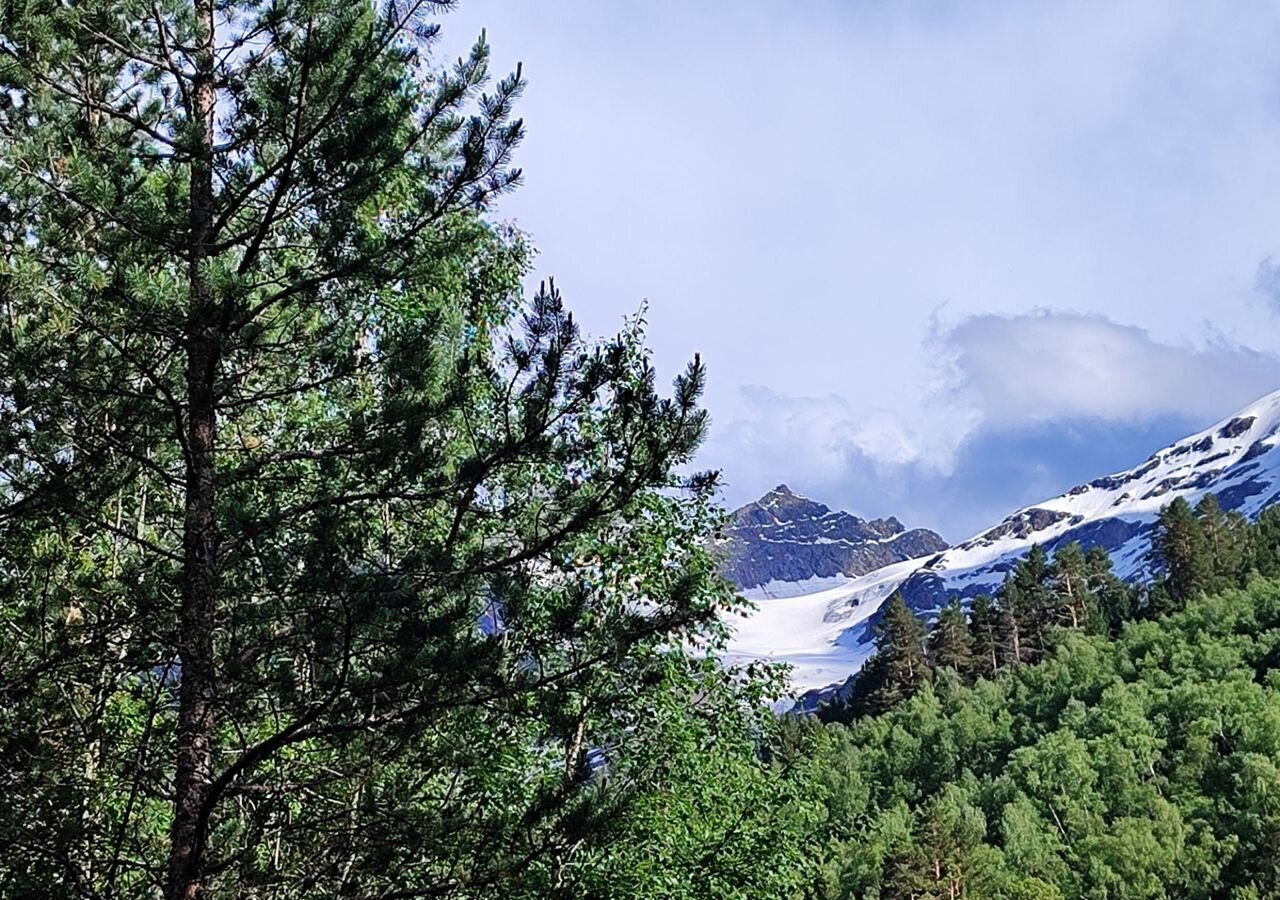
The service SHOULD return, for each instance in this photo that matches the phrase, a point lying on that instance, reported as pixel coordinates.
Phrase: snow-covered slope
(826, 635)
(818, 634)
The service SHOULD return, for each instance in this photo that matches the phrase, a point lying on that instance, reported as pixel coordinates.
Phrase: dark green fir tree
(1037, 605)
(1265, 540)
(1075, 604)
(1228, 540)
(1116, 601)
(949, 645)
(984, 636)
(898, 668)
(1014, 611)
(1181, 554)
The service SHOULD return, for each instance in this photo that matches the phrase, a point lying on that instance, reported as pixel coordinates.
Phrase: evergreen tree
(949, 645)
(865, 694)
(1179, 549)
(984, 636)
(1075, 604)
(326, 560)
(1116, 602)
(1265, 540)
(1227, 538)
(900, 665)
(1039, 783)
(1037, 606)
(1013, 611)
(948, 832)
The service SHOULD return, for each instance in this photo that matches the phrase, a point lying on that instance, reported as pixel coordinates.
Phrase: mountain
(827, 635)
(784, 544)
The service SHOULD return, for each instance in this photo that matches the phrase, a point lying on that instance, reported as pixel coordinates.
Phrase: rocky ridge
(783, 540)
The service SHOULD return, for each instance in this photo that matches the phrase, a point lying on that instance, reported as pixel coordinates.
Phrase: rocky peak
(886, 527)
(785, 537)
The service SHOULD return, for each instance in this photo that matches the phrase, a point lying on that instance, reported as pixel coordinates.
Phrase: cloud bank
(1048, 366)
(1021, 407)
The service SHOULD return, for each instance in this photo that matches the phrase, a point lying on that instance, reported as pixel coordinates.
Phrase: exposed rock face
(1236, 427)
(786, 537)
(1019, 525)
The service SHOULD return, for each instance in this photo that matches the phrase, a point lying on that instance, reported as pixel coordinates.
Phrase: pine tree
(984, 636)
(1116, 601)
(1265, 538)
(1013, 612)
(1032, 575)
(937, 860)
(949, 645)
(901, 667)
(1070, 585)
(949, 828)
(1228, 540)
(1180, 550)
(867, 694)
(1213, 524)
(278, 432)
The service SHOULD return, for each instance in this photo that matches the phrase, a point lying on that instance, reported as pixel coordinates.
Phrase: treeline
(1194, 551)
(1073, 736)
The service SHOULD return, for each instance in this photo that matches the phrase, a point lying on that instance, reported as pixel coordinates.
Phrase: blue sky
(942, 259)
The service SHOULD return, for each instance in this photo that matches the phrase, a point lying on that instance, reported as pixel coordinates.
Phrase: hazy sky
(943, 259)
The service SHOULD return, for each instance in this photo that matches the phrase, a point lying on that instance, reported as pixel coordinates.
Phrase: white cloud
(993, 374)
(799, 226)
(819, 438)
(1045, 365)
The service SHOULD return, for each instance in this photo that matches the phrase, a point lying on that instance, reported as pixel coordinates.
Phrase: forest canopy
(1143, 766)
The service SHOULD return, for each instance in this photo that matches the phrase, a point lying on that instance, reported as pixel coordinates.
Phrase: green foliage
(1114, 601)
(1039, 601)
(949, 644)
(1102, 751)
(1266, 542)
(896, 671)
(1228, 540)
(705, 819)
(1141, 767)
(984, 636)
(1181, 550)
(330, 564)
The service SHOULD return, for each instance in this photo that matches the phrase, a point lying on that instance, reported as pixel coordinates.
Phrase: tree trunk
(193, 775)
(1071, 601)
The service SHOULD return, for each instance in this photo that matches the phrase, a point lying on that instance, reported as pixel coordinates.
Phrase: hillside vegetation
(1142, 766)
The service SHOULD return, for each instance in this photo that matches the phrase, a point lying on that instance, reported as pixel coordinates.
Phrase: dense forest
(1193, 551)
(1133, 751)
(333, 565)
